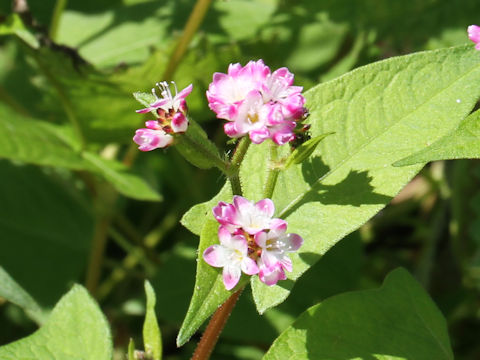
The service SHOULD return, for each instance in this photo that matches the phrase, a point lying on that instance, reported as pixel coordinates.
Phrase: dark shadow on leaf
(286, 284)
(309, 257)
(355, 189)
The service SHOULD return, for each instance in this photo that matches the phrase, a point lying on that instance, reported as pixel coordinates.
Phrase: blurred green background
(79, 65)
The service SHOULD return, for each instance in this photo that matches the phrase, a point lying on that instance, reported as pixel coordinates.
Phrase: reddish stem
(215, 326)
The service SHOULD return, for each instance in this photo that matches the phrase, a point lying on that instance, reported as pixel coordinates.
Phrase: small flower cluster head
(171, 118)
(257, 102)
(251, 241)
(474, 35)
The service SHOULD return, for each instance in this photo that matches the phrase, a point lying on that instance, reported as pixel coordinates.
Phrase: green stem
(233, 171)
(273, 172)
(196, 17)
(57, 14)
(96, 255)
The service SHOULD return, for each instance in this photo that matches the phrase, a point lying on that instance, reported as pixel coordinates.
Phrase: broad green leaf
(209, 292)
(301, 153)
(13, 25)
(76, 329)
(45, 226)
(379, 113)
(11, 291)
(398, 321)
(152, 338)
(144, 98)
(461, 143)
(123, 179)
(36, 142)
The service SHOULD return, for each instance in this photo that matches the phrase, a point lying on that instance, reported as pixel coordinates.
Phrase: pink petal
(286, 263)
(153, 124)
(261, 239)
(179, 123)
(230, 129)
(294, 241)
(149, 139)
(266, 207)
(249, 266)
(474, 33)
(185, 92)
(215, 256)
(279, 226)
(231, 276)
(224, 213)
(271, 275)
(259, 136)
(241, 204)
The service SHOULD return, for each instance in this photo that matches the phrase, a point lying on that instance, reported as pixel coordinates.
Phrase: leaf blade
(396, 321)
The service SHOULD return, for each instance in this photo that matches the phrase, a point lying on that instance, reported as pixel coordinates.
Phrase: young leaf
(303, 152)
(11, 291)
(461, 143)
(76, 329)
(144, 98)
(397, 321)
(209, 292)
(152, 338)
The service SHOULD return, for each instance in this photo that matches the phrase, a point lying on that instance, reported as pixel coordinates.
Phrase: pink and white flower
(231, 255)
(474, 35)
(171, 118)
(247, 231)
(256, 102)
(250, 217)
(150, 139)
(276, 244)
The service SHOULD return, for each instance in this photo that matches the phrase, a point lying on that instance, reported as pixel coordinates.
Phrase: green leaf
(380, 113)
(123, 180)
(36, 142)
(195, 147)
(209, 292)
(11, 291)
(76, 329)
(13, 25)
(461, 143)
(152, 338)
(144, 98)
(45, 226)
(397, 321)
(303, 152)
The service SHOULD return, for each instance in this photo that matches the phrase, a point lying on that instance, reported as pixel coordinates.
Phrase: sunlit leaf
(152, 338)
(461, 143)
(76, 329)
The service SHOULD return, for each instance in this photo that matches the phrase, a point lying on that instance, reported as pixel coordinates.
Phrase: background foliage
(55, 201)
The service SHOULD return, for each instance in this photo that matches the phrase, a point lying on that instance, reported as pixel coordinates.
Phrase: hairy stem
(196, 17)
(57, 14)
(273, 172)
(215, 326)
(233, 172)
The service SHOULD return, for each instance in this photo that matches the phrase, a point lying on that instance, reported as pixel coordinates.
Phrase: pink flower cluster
(256, 102)
(171, 118)
(251, 241)
(474, 35)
